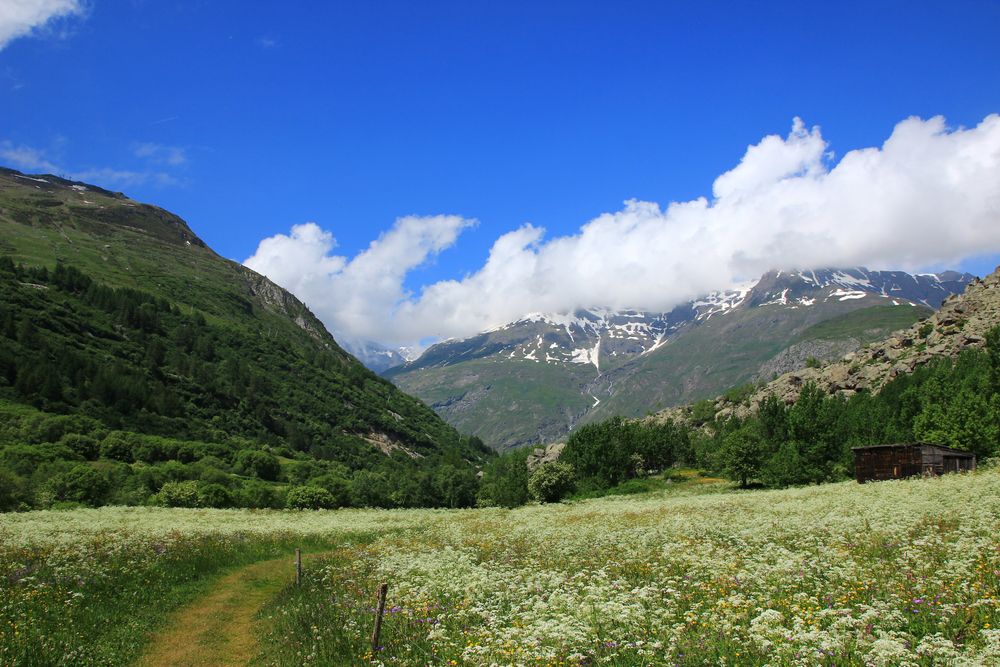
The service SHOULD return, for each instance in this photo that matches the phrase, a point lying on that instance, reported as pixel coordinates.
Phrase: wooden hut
(907, 460)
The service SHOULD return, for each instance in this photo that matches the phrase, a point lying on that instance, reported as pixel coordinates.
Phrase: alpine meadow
(548, 334)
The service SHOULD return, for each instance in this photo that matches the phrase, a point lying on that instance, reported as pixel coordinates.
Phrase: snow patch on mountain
(606, 338)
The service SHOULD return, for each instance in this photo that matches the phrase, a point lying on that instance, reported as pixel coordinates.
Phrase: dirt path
(217, 629)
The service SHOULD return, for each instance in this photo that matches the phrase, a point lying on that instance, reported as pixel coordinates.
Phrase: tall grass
(898, 573)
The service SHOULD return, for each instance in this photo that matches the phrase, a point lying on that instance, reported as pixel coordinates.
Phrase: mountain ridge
(595, 356)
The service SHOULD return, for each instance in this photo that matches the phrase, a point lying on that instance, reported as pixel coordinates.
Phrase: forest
(115, 396)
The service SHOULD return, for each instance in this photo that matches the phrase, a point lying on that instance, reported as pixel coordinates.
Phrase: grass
(867, 324)
(675, 481)
(891, 573)
(95, 600)
(218, 628)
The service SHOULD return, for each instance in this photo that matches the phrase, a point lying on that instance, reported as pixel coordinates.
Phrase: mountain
(375, 357)
(115, 314)
(535, 379)
(961, 323)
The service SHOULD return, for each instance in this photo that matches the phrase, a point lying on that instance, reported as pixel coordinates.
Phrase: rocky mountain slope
(208, 349)
(535, 379)
(961, 323)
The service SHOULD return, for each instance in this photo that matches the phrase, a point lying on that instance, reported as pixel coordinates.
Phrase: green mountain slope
(730, 351)
(114, 316)
(505, 400)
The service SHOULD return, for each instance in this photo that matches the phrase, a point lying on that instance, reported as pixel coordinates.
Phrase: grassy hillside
(506, 402)
(120, 328)
(865, 325)
(887, 573)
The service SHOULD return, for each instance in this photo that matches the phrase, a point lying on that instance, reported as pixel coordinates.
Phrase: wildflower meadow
(891, 573)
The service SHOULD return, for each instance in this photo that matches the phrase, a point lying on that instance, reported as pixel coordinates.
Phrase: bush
(179, 494)
(81, 484)
(309, 498)
(117, 446)
(551, 482)
(703, 412)
(214, 495)
(25, 460)
(13, 491)
(256, 494)
(258, 464)
(84, 445)
(370, 489)
(339, 488)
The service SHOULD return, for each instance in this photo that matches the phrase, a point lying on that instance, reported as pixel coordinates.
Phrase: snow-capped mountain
(605, 338)
(535, 379)
(377, 357)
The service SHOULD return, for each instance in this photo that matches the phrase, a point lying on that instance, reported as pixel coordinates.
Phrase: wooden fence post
(379, 612)
(298, 567)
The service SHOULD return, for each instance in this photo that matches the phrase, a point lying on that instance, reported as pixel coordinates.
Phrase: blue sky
(249, 118)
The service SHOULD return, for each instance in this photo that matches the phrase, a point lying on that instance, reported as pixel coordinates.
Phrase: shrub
(117, 445)
(258, 464)
(214, 495)
(24, 460)
(551, 482)
(179, 494)
(80, 484)
(703, 412)
(309, 498)
(84, 445)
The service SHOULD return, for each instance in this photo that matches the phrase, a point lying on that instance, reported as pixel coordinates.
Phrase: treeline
(118, 377)
(948, 402)
(49, 461)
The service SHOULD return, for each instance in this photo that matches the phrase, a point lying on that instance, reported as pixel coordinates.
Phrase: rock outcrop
(547, 454)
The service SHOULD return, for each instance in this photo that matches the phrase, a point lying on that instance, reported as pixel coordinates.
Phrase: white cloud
(25, 157)
(929, 195)
(22, 17)
(160, 154)
(346, 293)
(124, 178)
(34, 160)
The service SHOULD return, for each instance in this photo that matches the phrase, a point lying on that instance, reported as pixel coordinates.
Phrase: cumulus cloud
(346, 293)
(929, 195)
(22, 17)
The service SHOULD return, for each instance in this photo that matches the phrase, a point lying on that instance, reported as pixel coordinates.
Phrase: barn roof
(961, 452)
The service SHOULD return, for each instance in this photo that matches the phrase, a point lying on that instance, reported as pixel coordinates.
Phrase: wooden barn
(908, 460)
